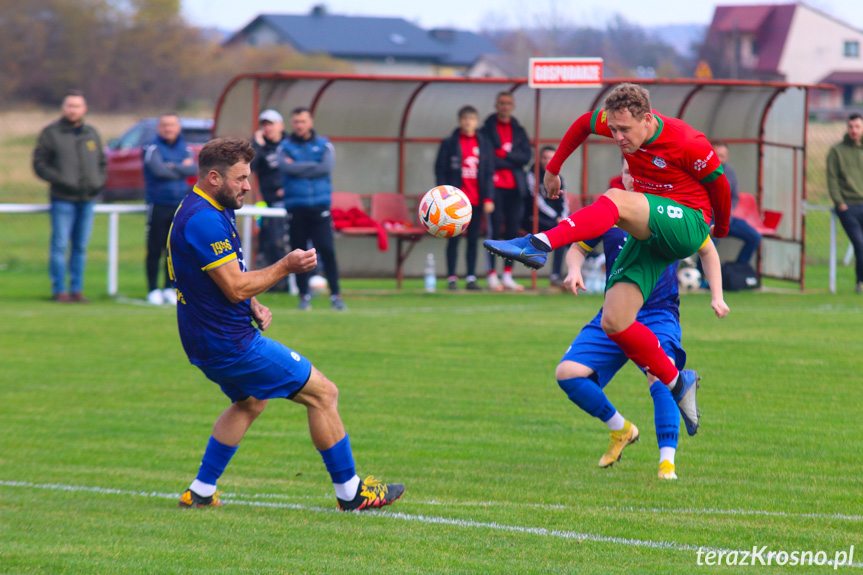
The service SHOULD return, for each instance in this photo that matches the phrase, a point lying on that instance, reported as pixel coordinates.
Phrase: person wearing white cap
(270, 133)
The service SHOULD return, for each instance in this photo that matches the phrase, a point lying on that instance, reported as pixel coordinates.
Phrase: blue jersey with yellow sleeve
(203, 237)
(665, 294)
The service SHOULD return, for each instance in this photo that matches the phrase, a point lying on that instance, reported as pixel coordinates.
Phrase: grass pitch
(104, 423)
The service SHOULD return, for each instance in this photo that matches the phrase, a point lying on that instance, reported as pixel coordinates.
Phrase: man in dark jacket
(306, 162)
(271, 238)
(168, 163)
(69, 156)
(845, 184)
(464, 160)
(512, 153)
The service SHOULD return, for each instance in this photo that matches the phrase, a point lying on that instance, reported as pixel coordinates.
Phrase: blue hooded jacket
(164, 173)
(307, 178)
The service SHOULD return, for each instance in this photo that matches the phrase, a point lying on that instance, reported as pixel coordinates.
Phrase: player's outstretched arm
(720, 200)
(575, 136)
(713, 273)
(238, 286)
(575, 257)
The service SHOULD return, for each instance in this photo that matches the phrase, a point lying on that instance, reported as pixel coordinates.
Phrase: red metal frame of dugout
(537, 141)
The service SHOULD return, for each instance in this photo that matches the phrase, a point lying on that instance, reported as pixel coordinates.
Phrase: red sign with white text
(565, 72)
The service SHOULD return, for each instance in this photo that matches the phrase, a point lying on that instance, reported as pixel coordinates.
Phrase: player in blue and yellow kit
(593, 358)
(216, 306)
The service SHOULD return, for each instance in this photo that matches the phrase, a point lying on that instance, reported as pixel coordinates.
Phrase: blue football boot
(519, 249)
(685, 399)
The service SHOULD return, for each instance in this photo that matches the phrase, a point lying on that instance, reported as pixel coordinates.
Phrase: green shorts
(677, 233)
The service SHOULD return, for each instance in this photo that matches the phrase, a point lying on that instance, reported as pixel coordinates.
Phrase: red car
(125, 163)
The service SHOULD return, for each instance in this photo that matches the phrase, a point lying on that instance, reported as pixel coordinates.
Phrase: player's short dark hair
(506, 93)
(300, 110)
(630, 97)
(465, 110)
(718, 144)
(855, 116)
(73, 92)
(546, 149)
(222, 153)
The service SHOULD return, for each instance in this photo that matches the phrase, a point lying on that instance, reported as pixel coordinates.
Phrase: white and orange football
(445, 211)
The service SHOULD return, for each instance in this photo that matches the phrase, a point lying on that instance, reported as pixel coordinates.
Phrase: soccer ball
(445, 211)
(318, 284)
(688, 279)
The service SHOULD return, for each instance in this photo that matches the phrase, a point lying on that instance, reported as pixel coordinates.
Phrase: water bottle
(430, 278)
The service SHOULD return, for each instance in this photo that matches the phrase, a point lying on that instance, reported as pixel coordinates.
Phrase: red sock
(585, 224)
(641, 346)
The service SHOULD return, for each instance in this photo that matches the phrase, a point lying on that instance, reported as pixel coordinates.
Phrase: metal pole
(536, 169)
(248, 222)
(832, 251)
(113, 251)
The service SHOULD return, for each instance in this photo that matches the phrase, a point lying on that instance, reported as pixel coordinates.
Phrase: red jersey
(470, 167)
(676, 163)
(504, 178)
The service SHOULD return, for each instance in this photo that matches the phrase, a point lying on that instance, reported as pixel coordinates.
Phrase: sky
(230, 15)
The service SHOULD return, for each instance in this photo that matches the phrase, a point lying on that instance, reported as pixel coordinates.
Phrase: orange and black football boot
(372, 494)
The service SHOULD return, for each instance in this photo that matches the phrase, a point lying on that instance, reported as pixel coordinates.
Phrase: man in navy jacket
(168, 163)
(306, 162)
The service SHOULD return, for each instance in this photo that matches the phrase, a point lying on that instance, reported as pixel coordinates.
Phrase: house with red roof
(793, 43)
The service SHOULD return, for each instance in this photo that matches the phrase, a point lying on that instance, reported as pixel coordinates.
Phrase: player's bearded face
(235, 186)
(628, 133)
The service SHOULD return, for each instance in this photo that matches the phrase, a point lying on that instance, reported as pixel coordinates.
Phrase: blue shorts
(595, 350)
(266, 370)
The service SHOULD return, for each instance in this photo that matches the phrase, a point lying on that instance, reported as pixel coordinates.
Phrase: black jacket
(71, 160)
(447, 169)
(516, 159)
(266, 165)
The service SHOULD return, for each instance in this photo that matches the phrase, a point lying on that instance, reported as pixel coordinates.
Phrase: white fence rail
(114, 211)
(247, 213)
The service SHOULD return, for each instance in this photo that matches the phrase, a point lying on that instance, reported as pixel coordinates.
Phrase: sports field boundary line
(241, 497)
(390, 514)
(561, 506)
(428, 519)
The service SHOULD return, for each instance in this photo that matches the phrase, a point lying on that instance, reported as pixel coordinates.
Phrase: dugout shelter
(387, 129)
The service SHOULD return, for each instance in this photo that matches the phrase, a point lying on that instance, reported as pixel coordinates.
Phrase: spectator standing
(550, 212)
(69, 156)
(168, 164)
(512, 153)
(306, 163)
(464, 160)
(845, 184)
(266, 142)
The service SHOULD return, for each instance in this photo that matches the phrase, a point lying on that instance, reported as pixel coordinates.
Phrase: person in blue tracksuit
(168, 164)
(306, 163)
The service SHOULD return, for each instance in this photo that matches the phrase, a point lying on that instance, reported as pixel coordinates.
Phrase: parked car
(125, 163)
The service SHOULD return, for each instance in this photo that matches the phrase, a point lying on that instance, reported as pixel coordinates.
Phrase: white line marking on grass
(238, 497)
(712, 511)
(427, 519)
(540, 531)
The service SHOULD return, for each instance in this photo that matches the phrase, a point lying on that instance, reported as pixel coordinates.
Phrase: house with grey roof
(370, 45)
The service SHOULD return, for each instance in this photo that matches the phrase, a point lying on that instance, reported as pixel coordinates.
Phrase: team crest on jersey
(659, 162)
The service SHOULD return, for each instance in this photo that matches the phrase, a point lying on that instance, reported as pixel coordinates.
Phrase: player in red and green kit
(679, 185)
